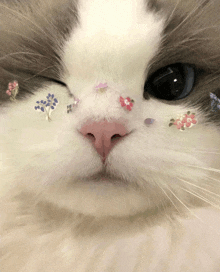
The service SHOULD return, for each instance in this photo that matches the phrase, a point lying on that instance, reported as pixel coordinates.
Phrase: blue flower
(52, 107)
(42, 109)
(55, 100)
(38, 102)
(48, 104)
(52, 95)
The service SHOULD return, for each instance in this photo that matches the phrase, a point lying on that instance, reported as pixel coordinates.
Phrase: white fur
(113, 43)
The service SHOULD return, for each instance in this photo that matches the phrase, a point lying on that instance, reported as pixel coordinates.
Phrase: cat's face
(121, 43)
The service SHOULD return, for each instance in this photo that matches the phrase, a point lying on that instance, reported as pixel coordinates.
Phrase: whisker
(203, 189)
(213, 179)
(24, 37)
(193, 212)
(185, 20)
(183, 204)
(18, 53)
(204, 168)
(187, 150)
(201, 198)
(168, 197)
(213, 79)
(24, 17)
(171, 15)
(205, 28)
(39, 72)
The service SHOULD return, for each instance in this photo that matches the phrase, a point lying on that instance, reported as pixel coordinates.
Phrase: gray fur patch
(32, 34)
(191, 35)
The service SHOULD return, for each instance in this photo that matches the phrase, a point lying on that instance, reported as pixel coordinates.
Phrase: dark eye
(172, 82)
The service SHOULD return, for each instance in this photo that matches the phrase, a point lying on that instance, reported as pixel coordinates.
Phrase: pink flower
(8, 92)
(127, 102)
(179, 124)
(184, 121)
(101, 86)
(12, 85)
(189, 120)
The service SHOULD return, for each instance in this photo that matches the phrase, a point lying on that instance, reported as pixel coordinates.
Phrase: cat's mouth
(105, 177)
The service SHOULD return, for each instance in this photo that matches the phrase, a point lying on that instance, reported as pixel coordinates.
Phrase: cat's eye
(172, 82)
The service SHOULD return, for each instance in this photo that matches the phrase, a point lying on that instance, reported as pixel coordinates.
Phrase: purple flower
(47, 106)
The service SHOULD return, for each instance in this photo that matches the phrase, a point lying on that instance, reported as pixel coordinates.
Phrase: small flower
(47, 106)
(179, 124)
(126, 102)
(215, 102)
(69, 107)
(189, 120)
(184, 121)
(8, 92)
(12, 90)
(101, 87)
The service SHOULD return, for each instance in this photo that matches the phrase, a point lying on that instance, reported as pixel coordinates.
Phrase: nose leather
(103, 135)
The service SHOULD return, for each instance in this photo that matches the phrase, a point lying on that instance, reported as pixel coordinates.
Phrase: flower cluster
(184, 121)
(71, 106)
(215, 102)
(126, 102)
(47, 106)
(12, 90)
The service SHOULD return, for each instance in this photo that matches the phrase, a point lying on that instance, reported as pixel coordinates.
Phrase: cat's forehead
(114, 37)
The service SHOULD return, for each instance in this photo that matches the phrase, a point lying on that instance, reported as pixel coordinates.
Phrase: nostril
(90, 136)
(115, 136)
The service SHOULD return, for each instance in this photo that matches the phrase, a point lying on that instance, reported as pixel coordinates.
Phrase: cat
(109, 141)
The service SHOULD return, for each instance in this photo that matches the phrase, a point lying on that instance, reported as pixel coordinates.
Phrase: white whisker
(201, 197)
(19, 53)
(203, 189)
(204, 168)
(168, 197)
(39, 72)
(192, 212)
(214, 179)
(24, 17)
(184, 21)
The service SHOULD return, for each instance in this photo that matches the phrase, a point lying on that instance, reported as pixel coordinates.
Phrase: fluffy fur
(160, 209)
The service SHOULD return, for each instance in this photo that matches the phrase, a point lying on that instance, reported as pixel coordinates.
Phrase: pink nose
(103, 135)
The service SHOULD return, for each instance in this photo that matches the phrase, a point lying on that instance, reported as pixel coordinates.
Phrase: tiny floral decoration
(126, 102)
(71, 106)
(47, 106)
(215, 102)
(12, 90)
(184, 121)
(101, 87)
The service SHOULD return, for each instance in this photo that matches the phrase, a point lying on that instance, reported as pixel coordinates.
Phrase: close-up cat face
(96, 151)
(109, 135)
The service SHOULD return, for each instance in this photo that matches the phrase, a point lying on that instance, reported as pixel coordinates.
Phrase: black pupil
(170, 83)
